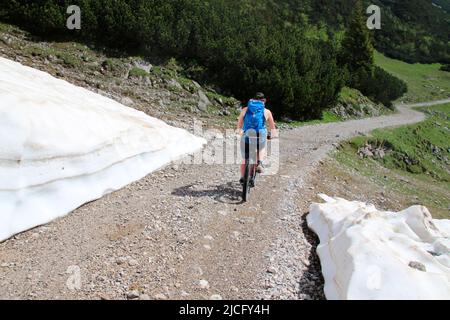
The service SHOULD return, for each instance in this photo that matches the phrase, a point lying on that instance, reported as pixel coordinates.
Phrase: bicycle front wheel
(246, 185)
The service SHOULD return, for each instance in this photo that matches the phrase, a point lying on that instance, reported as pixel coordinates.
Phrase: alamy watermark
(226, 147)
(74, 20)
(374, 21)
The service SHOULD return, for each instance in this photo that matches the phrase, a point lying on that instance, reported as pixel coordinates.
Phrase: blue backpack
(254, 118)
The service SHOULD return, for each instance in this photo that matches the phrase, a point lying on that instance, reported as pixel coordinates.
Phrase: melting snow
(62, 146)
(371, 254)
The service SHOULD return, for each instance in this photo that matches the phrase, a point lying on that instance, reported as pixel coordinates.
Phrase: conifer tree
(357, 50)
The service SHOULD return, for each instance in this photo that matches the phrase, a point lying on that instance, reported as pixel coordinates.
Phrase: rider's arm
(240, 123)
(271, 123)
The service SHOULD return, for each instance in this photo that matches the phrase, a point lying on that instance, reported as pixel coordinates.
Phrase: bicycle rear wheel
(246, 184)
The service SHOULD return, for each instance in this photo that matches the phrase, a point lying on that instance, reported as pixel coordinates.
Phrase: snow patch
(62, 146)
(370, 254)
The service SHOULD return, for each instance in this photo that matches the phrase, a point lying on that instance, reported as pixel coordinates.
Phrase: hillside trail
(183, 233)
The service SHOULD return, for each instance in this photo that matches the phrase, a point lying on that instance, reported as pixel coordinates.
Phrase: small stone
(127, 101)
(184, 293)
(269, 285)
(196, 84)
(272, 270)
(160, 296)
(216, 297)
(121, 260)
(144, 297)
(174, 83)
(103, 296)
(133, 295)
(198, 271)
(418, 266)
(133, 262)
(203, 284)
(101, 279)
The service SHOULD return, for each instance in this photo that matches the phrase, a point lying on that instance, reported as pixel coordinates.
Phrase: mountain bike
(250, 176)
(251, 163)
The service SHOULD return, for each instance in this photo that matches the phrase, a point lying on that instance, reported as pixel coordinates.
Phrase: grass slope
(425, 81)
(417, 161)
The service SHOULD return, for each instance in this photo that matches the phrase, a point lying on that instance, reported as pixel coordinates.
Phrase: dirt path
(427, 104)
(183, 233)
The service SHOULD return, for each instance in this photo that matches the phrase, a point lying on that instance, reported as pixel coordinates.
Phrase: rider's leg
(262, 144)
(259, 166)
(243, 168)
(262, 154)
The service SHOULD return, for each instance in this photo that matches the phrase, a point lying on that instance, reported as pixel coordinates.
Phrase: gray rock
(379, 153)
(121, 260)
(160, 296)
(196, 84)
(237, 105)
(418, 266)
(366, 151)
(133, 295)
(272, 270)
(203, 102)
(126, 101)
(133, 262)
(435, 149)
(203, 284)
(147, 67)
(174, 83)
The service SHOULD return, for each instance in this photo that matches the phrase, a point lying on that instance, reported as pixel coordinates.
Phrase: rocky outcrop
(357, 106)
(156, 88)
(203, 101)
(370, 151)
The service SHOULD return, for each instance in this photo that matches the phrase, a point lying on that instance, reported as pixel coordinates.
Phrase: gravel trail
(182, 233)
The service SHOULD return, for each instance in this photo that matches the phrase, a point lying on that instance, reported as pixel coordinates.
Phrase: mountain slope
(412, 30)
(289, 49)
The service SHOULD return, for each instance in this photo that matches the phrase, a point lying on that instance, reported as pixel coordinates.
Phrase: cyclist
(252, 127)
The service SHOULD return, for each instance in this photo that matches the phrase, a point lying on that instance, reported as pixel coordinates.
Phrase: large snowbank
(371, 254)
(62, 146)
